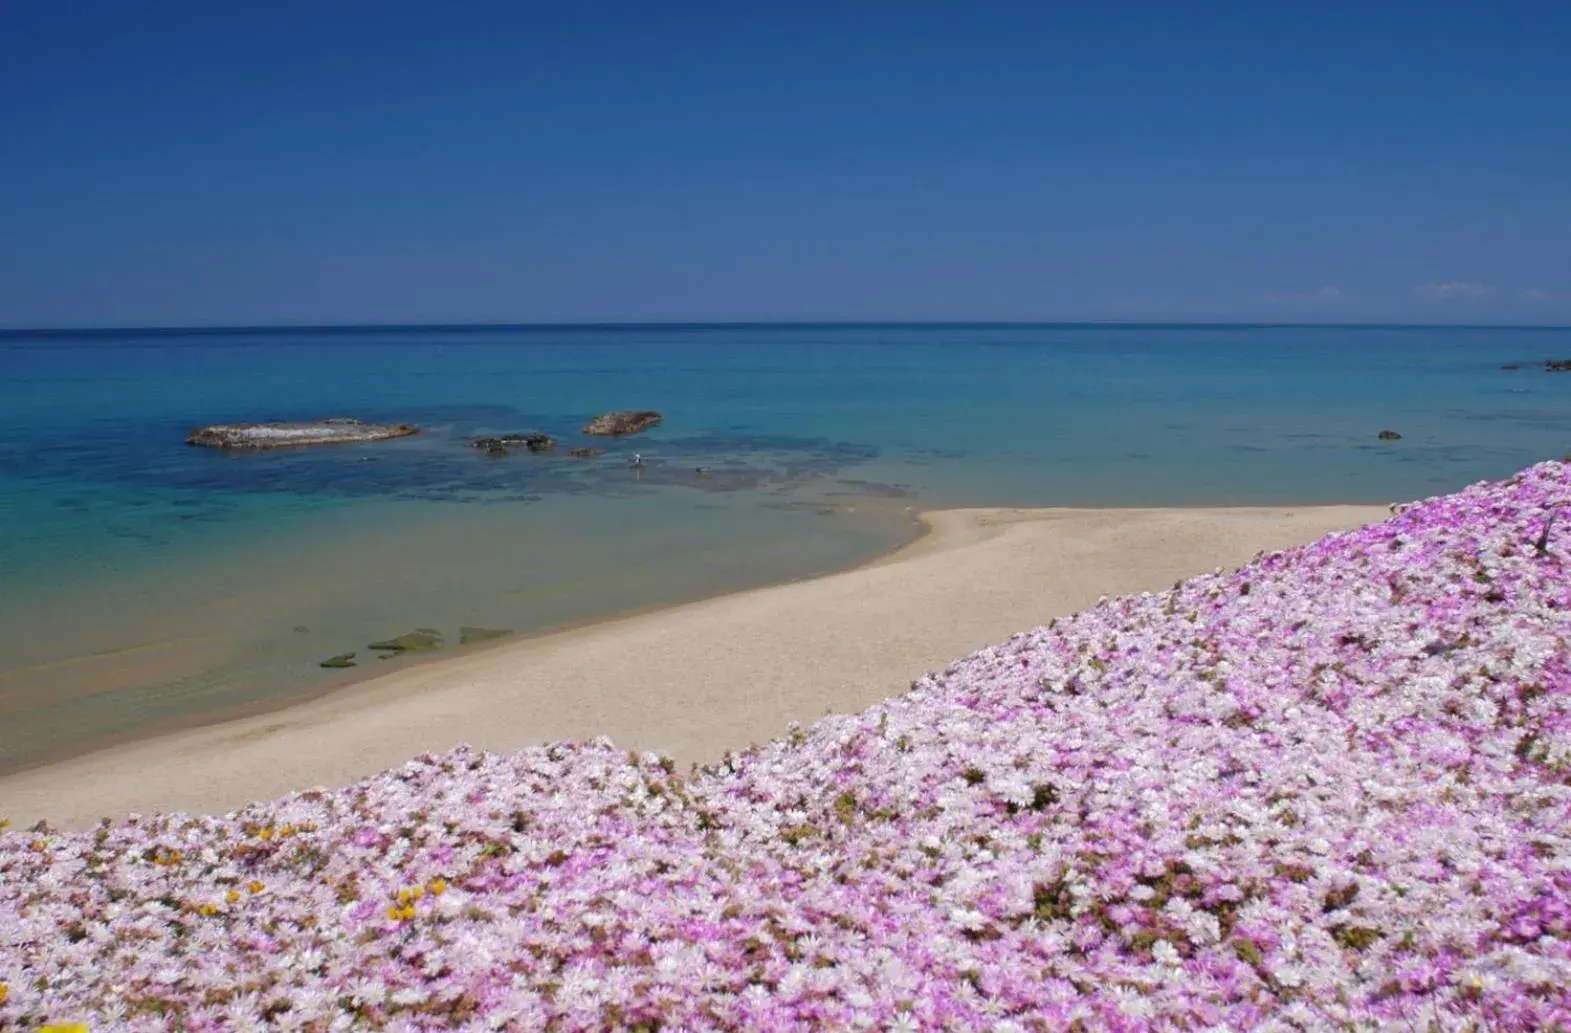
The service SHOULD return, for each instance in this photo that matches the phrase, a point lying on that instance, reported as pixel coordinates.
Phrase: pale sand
(694, 680)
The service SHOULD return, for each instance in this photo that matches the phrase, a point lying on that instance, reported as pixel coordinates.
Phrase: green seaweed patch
(341, 660)
(421, 640)
(469, 636)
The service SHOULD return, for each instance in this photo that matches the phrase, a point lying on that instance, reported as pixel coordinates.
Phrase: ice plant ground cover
(1331, 790)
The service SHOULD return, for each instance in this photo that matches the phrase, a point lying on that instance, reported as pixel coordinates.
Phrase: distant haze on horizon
(182, 163)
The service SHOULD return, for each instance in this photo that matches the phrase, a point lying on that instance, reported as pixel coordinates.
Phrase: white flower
(407, 995)
(968, 918)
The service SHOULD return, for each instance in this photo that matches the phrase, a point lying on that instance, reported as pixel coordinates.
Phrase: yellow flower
(232, 896)
(207, 910)
(437, 887)
(254, 886)
(5, 823)
(5, 991)
(64, 1027)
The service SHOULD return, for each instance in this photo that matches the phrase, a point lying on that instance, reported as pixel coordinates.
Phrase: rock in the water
(336, 431)
(586, 453)
(421, 640)
(623, 421)
(468, 635)
(1511, 365)
(1390, 435)
(501, 443)
(341, 660)
(1558, 365)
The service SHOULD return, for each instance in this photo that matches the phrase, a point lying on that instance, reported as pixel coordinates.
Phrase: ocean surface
(145, 583)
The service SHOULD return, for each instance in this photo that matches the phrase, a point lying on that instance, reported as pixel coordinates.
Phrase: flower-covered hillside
(1331, 790)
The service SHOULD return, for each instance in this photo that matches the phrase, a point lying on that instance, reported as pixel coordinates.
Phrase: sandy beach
(691, 681)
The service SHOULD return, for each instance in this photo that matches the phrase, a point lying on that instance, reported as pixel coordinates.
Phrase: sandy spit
(694, 680)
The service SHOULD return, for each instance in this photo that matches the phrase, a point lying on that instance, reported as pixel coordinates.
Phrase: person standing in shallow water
(638, 465)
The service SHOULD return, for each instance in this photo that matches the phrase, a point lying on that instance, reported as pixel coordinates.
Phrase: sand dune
(693, 680)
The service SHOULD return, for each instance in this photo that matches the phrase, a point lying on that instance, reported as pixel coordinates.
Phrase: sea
(146, 584)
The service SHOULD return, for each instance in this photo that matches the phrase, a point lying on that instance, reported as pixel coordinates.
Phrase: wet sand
(693, 680)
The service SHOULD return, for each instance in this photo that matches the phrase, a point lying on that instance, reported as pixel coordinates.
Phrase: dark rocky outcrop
(338, 431)
(623, 421)
(501, 443)
(586, 453)
(341, 660)
(1512, 365)
(1558, 365)
(1389, 435)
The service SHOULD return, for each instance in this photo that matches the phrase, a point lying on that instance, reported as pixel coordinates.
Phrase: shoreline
(89, 666)
(332, 682)
(691, 679)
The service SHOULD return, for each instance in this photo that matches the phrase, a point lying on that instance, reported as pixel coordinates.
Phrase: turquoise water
(116, 536)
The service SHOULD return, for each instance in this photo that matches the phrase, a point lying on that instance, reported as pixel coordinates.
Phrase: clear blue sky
(346, 161)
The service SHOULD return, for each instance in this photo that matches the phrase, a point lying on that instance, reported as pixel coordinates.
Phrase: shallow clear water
(189, 571)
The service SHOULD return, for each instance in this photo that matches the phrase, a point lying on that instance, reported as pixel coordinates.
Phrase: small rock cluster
(345, 430)
(421, 640)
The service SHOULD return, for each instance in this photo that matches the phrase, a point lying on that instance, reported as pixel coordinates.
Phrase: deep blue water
(97, 488)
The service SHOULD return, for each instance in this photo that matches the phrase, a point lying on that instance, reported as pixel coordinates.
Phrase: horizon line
(240, 329)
